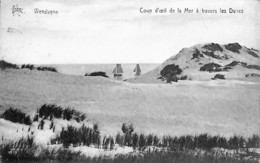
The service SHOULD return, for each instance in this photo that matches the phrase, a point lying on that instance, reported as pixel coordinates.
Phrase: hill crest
(205, 61)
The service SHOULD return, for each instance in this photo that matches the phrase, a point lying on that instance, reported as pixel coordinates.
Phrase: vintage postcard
(130, 81)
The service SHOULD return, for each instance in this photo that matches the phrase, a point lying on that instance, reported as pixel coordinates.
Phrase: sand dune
(187, 107)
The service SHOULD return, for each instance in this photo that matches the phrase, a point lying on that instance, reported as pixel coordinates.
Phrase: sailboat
(137, 70)
(118, 72)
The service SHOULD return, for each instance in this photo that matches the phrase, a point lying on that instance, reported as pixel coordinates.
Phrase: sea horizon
(82, 69)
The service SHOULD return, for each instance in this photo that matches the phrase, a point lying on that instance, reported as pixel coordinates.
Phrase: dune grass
(147, 148)
(16, 115)
(52, 111)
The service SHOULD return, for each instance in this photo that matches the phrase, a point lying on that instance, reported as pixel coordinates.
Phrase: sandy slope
(188, 107)
(191, 59)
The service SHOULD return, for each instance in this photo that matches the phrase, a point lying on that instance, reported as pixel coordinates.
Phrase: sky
(115, 31)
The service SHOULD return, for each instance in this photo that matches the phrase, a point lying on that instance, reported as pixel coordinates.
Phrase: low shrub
(29, 66)
(23, 149)
(235, 63)
(77, 136)
(211, 67)
(48, 111)
(211, 54)
(252, 75)
(98, 73)
(213, 47)
(243, 64)
(218, 76)
(252, 53)
(203, 141)
(47, 68)
(170, 72)
(253, 141)
(16, 115)
(257, 67)
(185, 77)
(235, 47)
(196, 54)
(4, 65)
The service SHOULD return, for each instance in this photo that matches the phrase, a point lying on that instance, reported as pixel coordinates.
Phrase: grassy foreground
(145, 148)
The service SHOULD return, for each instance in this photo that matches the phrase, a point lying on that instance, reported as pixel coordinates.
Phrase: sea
(82, 69)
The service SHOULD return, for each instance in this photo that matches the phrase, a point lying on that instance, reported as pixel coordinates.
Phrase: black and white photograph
(130, 81)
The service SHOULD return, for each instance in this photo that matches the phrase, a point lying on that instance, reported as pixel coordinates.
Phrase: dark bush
(243, 64)
(251, 52)
(98, 73)
(218, 76)
(185, 77)
(47, 68)
(235, 63)
(252, 75)
(233, 142)
(196, 54)
(142, 141)
(127, 130)
(170, 72)
(15, 115)
(156, 140)
(4, 65)
(213, 47)
(257, 67)
(211, 67)
(23, 149)
(253, 141)
(52, 111)
(119, 139)
(150, 140)
(76, 136)
(135, 141)
(108, 142)
(29, 66)
(235, 47)
(211, 54)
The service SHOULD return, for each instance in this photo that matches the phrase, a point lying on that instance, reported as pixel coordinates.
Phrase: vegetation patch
(79, 136)
(16, 115)
(196, 54)
(202, 141)
(185, 77)
(27, 153)
(211, 67)
(50, 111)
(4, 65)
(40, 68)
(98, 73)
(218, 76)
(243, 64)
(29, 66)
(147, 148)
(252, 53)
(47, 68)
(252, 75)
(23, 149)
(235, 63)
(211, 54)
(213, 47)
(257, 67)
(235, 47)
(169, 73)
